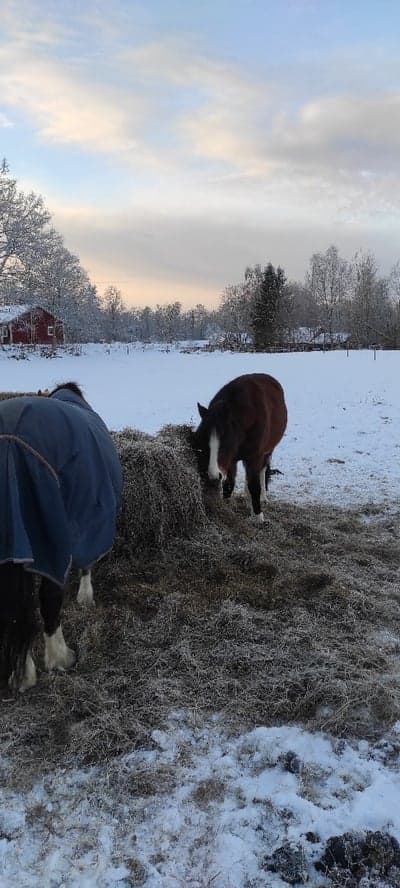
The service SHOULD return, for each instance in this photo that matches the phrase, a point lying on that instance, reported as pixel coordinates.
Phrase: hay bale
(162, 496)
(4, 396)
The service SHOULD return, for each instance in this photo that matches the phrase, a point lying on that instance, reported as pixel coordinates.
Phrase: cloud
(24, 22)
(5, 122)
(356, 132)
(169, 106)
(182, 63)
(66, 109)
(220, 102)
(217, 164)
(154, 257)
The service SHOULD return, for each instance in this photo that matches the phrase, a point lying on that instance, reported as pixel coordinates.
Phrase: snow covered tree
(370, 308)
(328, 281)
(114, 308)
(36, 267)
(23, 224)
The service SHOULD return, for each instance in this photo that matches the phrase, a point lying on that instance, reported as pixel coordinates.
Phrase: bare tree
(328, 281)
(235, 311)
(370, 305)
(114, 308)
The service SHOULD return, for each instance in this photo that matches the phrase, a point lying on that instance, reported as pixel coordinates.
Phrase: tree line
(338, 298)
(338, 301)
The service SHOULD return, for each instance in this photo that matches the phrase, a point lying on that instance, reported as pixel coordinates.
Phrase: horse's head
(72, 386)
(214, 441)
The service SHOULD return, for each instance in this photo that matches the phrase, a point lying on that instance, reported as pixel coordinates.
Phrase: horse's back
(61, 478)
(250, 386)
(258, 401)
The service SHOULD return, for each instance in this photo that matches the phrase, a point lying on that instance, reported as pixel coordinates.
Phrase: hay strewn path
(199, 609)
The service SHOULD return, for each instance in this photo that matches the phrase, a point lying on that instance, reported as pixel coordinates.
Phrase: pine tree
(266, 309)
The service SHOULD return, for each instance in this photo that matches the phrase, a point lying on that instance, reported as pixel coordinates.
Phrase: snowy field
(206, 810)
(342, 442)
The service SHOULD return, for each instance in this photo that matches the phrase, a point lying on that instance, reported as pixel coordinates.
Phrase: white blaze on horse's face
(214, 471)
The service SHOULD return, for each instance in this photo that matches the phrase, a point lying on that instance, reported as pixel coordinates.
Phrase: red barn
(29, 325)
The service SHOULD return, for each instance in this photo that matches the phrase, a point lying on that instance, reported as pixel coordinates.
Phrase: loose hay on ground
(198, 609)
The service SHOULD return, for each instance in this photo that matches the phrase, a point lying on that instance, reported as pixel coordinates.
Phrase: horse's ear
(202, 410)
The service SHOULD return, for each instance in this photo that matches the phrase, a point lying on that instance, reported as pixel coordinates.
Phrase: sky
(177, 142)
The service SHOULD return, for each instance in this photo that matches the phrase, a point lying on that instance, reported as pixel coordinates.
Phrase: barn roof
(12, 312)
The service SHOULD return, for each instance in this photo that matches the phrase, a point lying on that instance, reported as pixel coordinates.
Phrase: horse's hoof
(70, 659)
(63, 664)
(85, 591)
(259, 519)
(56, 653)
(84, 598)
(29, 680)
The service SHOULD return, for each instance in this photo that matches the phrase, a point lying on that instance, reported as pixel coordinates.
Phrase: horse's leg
(254, 485)
(228, 484)
(30, 677)
(18, 625)
(265, 475)
(85, 591)
(56, 653)
(263, 485)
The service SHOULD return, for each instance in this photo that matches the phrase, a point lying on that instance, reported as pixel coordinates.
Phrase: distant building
(310, 339)
(29, 325)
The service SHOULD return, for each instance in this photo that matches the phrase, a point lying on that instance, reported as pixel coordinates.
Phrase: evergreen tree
(267, 306)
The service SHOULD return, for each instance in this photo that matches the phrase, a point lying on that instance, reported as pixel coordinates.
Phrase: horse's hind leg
(56, 653)
(85, 591)
(265, 475)
(254, 485)
(228, 484)
(30, 677)
(18, 626)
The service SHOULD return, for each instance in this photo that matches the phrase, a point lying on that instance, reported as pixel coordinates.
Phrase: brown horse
(244, 421)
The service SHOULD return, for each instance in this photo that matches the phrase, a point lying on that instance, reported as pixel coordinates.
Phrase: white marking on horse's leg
(85, 591)
(56, 653)
(263, 494)
(213, 470)
(259, 519)
(30, 677)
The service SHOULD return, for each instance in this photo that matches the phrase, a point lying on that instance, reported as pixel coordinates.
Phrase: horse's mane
(72, 386)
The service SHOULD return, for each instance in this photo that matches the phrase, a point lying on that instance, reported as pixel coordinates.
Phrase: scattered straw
(197, 608)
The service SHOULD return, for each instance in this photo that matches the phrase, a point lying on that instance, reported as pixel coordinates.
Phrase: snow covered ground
(342, 443)
(199, 809)
(196, 810)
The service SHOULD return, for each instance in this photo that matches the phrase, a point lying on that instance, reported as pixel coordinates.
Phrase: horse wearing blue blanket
(60, 490)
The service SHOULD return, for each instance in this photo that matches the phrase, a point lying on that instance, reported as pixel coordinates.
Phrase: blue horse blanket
(60, 484)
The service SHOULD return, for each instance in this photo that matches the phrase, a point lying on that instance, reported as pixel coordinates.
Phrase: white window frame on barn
(50, 330)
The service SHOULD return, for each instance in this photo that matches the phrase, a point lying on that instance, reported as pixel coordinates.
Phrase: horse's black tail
(18, 621)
